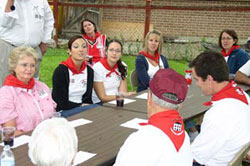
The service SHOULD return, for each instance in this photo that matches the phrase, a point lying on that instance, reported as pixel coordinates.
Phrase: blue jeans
(73, 111)
(189, 124)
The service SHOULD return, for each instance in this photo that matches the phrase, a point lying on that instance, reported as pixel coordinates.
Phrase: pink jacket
(27, 108)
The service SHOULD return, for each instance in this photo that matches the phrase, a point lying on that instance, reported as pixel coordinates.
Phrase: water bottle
(7, 157)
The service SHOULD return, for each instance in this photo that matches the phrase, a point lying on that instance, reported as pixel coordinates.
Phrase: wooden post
(56, 25)
(147, 18)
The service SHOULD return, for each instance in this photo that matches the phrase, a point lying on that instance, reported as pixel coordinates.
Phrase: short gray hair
(20, 52)
(164, 103)
(53, 143)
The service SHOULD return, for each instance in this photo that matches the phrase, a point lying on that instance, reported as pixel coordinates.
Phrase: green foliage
(51, 60)
(54, 57)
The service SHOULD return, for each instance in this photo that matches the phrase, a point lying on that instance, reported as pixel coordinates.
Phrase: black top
(60, 91)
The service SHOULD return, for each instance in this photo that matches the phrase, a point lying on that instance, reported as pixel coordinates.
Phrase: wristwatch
(12, 7)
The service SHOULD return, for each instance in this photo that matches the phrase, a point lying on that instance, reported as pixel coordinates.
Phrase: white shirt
(153, 69)
(77, 85)
(224, 131)
(246, 68)
(150, 146)
(111, 83)
(29, 24)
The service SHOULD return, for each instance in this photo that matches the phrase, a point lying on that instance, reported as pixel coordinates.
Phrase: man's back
(152, 147)
(224, 131)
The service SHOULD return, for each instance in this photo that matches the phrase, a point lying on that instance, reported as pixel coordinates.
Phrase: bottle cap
(6, 147)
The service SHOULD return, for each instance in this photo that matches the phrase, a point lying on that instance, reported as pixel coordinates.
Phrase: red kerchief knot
(154, 58)
(171, 123)
(71, 65)
(106, 65)
(97, 34)
(11, 80)
(223, 52)
(230, 91)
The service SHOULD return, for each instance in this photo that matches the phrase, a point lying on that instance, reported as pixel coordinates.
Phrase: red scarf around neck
(104, 62)
(229, 91)
(97, 34)
(154, 58)
(11, 80)
(71, 65)
(171, 123)
(223, 52)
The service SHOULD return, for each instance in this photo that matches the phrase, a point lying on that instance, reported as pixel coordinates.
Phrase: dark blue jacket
(141, 67)
(236, 59)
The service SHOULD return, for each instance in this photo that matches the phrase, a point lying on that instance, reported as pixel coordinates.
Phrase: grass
(53, 58)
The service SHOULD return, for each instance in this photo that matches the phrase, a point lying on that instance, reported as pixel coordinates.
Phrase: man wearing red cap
(162, 141)
(226, 125)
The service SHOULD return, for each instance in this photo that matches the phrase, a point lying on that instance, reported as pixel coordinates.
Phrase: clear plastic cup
(8, 135)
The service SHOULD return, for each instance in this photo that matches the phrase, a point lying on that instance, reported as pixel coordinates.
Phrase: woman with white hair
(24, 101)
(53, 142)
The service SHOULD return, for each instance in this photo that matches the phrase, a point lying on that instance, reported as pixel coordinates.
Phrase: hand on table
(130, 93)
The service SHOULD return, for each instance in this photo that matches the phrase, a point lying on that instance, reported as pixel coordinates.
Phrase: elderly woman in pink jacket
(24, 101)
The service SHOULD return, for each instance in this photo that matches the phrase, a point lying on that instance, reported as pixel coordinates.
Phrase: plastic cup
(56, 115)
(119, 102)
(8, 135)
(1, 135)
(89, 59)
(119, 99)
(188, 76)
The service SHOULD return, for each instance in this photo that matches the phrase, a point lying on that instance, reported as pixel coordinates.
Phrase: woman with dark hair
(110, 75)
(95, 40)
(150, 60)
(234, 55)
(73, 80)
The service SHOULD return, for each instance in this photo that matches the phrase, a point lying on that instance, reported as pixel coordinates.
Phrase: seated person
(226, 124)
(24, 101)
(243, 74)
(53, 142)
(150, 60)
(162, 141)
(234, 55)
(110, 75)
(246, 46)
(95, 40)
(73, 80)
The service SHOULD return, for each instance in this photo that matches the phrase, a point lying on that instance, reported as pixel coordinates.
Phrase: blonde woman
(150, 60)
(24, 101)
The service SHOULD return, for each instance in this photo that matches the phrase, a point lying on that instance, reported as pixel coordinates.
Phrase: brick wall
(181, 23)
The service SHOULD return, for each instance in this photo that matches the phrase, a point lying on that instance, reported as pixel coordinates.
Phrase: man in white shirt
(243, 74)
(24, 22)
(226, 125)
(162, 141)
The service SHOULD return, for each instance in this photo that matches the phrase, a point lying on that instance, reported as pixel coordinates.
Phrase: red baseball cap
(169, 86)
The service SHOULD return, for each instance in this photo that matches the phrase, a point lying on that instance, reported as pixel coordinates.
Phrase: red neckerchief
(223, 52)
(229, 91)
(154, 58)
(104, 62)
(11, 80)
(70, 64)
(97, 34)
(171, 123)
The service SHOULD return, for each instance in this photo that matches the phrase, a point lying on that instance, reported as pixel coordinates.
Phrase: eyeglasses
(113, 50)
(226, 38)
(26, 65)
